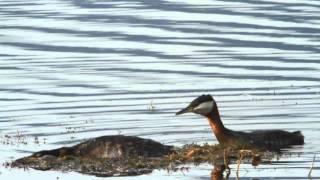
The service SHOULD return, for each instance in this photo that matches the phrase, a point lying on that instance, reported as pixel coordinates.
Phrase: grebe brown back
(114, 146)
(206, 106)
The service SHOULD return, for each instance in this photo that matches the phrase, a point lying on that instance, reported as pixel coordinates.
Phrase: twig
(151, 106)
(226, 160)
(311, 168)
(238, 164)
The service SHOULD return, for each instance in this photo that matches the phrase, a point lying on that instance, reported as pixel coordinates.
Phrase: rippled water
(71, 70)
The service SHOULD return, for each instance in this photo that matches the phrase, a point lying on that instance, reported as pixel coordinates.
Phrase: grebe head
(201, 105)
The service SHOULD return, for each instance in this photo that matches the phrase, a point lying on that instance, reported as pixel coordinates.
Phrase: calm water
(71, 70)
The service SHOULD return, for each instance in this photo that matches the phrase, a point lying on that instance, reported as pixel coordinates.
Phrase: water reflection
(222, 170)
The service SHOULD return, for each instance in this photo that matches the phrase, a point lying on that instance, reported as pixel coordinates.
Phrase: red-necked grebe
(206, 106)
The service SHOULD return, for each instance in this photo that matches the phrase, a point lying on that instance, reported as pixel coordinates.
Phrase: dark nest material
(127, 155)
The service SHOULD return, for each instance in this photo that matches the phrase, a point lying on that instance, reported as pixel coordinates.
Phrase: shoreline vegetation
(122, 162)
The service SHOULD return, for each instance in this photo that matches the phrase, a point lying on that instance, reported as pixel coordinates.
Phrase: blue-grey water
(75, 69)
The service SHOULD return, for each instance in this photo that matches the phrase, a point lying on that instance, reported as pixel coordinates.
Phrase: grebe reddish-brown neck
(206, 106)
(221, 132)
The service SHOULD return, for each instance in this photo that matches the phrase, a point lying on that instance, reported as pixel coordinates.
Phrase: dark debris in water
(98, 167)
(137, 165)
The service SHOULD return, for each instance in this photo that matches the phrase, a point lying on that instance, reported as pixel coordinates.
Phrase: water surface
(71, 70)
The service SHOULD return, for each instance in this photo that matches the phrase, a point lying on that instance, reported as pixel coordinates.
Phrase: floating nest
(87, 157)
